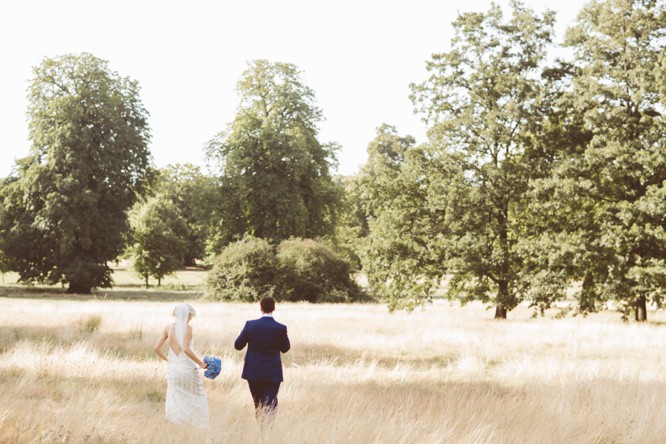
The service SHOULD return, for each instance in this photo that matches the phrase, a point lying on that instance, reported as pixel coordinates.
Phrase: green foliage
(606, 211)
(5, 265)
(548, 252)
(310, 271)
(246, 270)
(276, 179)
(351, 224)
(158, 235)
(483, 103)
(401, 192)
(63, 214)
(297, 270)
(197, 198)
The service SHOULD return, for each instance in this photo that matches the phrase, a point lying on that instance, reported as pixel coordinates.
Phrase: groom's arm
(241, 340)
(284, 343)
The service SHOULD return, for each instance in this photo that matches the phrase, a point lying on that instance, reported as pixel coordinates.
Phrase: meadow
(82, 369)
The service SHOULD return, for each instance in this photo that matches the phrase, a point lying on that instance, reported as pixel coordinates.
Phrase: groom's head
(267, 305)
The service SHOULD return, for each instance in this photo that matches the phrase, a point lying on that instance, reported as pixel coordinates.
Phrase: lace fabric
(186, 401)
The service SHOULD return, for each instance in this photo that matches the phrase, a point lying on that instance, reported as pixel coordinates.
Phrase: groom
(266, 338)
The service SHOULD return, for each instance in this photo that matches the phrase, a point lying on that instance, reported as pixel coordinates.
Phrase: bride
(185, 398)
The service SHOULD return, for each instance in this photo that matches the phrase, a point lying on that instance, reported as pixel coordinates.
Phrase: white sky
(358, 56)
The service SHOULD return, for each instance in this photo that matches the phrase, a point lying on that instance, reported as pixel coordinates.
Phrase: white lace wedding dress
(186, 400)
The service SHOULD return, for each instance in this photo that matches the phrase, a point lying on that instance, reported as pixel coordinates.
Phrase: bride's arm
(160, 343)
(188, 351)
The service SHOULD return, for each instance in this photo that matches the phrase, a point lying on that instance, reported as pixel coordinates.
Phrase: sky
(359, 57)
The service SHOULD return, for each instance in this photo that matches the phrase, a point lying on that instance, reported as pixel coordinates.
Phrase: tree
(64, 212)
(481, 102)
(351, 223)
(619, 177)
(275, 172)
(5, 263)
(401, 192)
(159, 236)
(549, 242)
(196, 196)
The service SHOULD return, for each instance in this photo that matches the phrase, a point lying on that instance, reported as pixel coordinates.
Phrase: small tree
(403, 192)
(197, 197)
(158, 234)
(4, 266)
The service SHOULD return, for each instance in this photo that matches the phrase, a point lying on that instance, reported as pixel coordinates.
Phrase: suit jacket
(265, 338)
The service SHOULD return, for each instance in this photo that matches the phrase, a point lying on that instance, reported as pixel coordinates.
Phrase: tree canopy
(609, 197)
(481, 102)
(275, 173)
(63, 215)
(197, 199)
(158, 236)
(400, 190)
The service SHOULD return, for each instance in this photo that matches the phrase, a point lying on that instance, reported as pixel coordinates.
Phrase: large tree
(615, 187)
(275, 171)
(64, 215)
(481, 101)
(547, 242)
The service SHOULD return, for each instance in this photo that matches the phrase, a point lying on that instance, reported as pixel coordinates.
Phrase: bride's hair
(182, 313)
(190, 309)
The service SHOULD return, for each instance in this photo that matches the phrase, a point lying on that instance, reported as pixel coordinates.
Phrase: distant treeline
(540, 179)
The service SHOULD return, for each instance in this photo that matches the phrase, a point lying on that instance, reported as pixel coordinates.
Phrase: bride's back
(175, 349)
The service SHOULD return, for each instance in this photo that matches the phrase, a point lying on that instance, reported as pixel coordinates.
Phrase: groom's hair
(267, 305)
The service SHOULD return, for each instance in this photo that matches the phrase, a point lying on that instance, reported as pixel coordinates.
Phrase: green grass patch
(187, 279)
(127, 285)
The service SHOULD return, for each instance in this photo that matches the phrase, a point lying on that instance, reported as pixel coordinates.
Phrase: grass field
(183, 284)
(83, 370)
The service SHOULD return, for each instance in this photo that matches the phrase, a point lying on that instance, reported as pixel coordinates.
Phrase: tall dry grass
(84, 371)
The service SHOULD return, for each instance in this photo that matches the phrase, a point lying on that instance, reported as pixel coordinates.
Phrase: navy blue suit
(265, 338)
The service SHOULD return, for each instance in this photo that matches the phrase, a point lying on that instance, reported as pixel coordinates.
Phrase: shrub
(310, 271)
(244, 271)
(299, 270)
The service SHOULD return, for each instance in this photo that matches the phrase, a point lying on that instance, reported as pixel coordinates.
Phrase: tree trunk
(503, 284)
(641, 309)
(79, 288)
(159, 281)
(189, 261)
(500, 312)
(146, 276)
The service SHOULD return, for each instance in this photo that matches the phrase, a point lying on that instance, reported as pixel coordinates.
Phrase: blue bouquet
(214, 367)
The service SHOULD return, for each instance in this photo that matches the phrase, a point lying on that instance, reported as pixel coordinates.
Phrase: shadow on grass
(313, 354)
(137, 343)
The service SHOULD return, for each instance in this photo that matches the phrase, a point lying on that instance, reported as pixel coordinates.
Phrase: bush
(299, 270)
(245, 271)
(310, 271)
